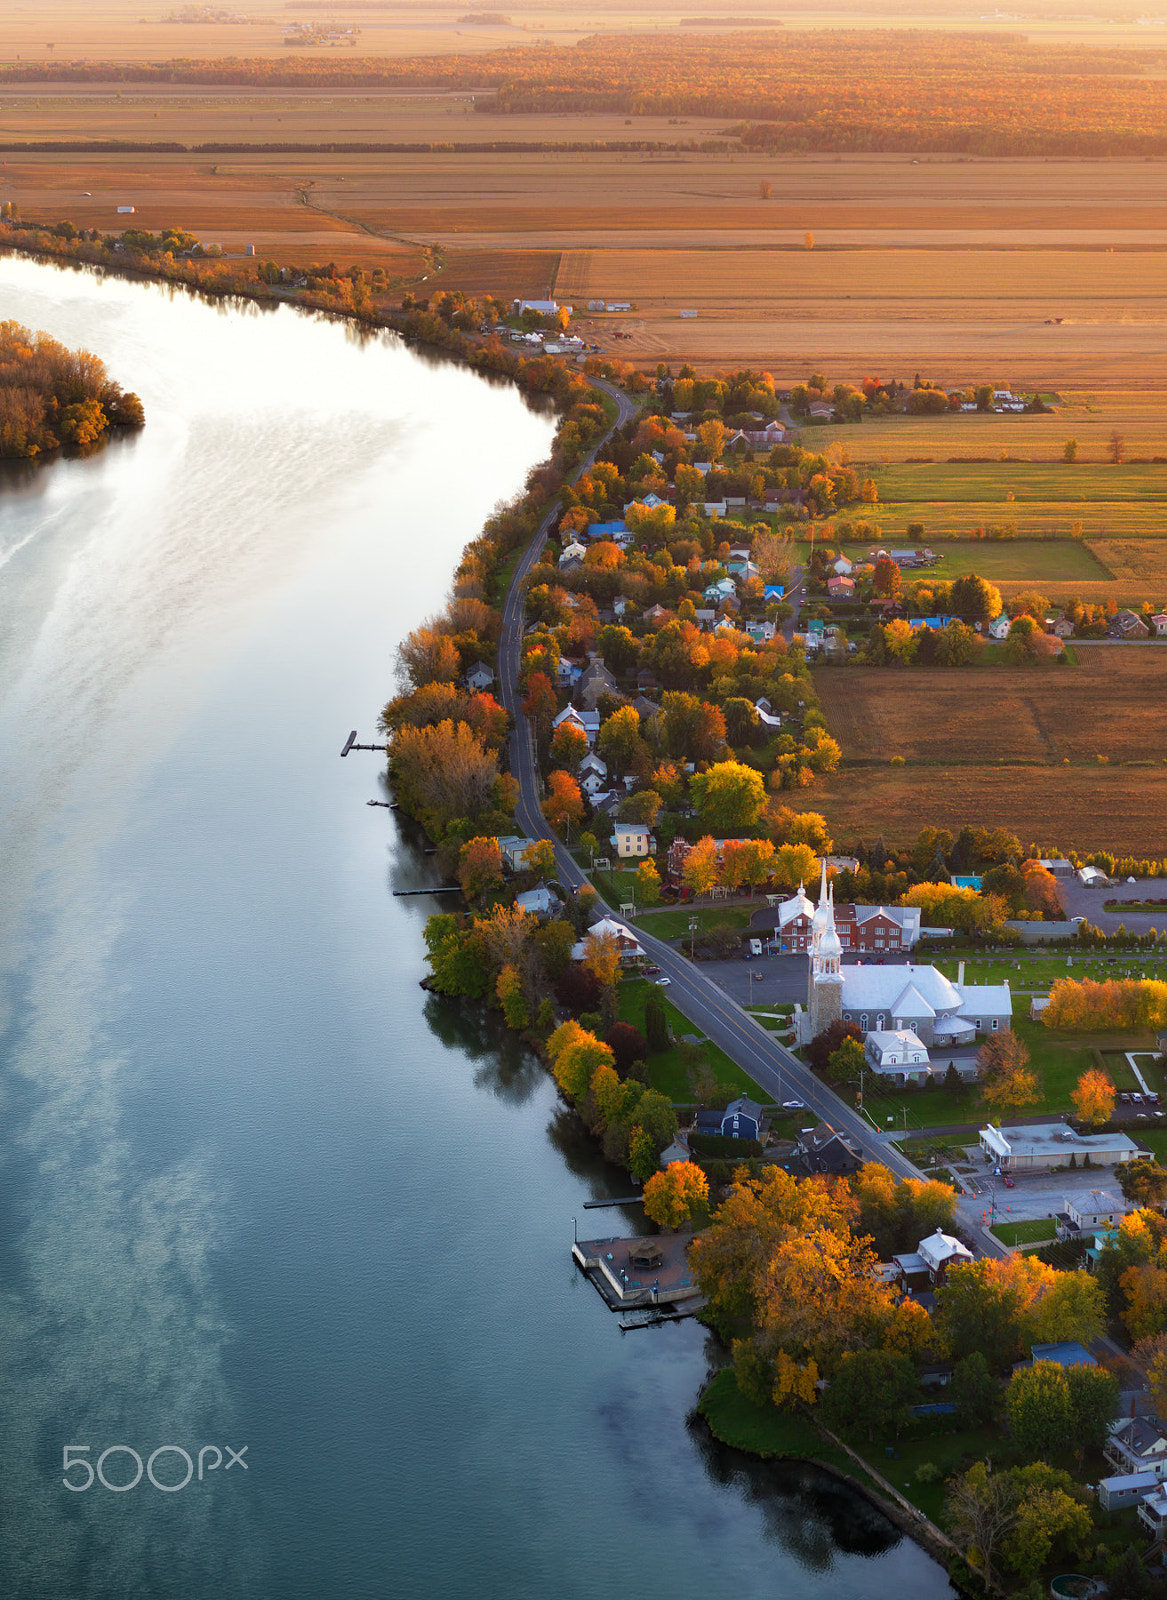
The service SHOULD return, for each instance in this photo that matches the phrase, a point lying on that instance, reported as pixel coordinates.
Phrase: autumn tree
(619, 739)
(887, 579)
(729, 797)
(823, 1046)
(569, 745)
(564, 803)
(427, 655)
(480, 868)
(700, 870)
(982, 1305)
(444, 772)
(1007, 1084)
(975, 600)
(1094, 1096)
(1072, 1308)
(677, 1195)
(981, 1512)
(772, 553)
(1116, 448)
(647, 884)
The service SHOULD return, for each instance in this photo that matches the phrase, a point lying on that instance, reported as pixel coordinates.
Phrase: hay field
(1078, 808)
(991, 746)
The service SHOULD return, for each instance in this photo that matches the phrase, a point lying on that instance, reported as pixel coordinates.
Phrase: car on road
(652, 972)
(793, 1105)
(1008, 1182)
(662, 982)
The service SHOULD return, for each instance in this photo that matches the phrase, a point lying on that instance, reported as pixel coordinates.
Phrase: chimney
(960, 976)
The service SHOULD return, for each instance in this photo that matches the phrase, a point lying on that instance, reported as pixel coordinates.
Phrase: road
(780, 1074)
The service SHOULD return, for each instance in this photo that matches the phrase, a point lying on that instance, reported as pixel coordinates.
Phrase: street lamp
(693, 921)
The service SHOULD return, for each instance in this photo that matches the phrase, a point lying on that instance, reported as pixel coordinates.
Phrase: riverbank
(795, 1436)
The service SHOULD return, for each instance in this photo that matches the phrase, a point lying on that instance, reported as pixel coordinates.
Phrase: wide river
(264, 1202)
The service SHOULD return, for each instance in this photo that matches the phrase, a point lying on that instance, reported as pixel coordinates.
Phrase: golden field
(998, 746)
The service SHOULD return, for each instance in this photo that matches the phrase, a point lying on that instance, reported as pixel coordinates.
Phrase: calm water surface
(258, 1190)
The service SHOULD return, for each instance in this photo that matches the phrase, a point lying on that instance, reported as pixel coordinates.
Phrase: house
(1126, 1489)
(1064, 628)
(773, 591)
(940, 1252)
(595, 680)
(828, 1151)
(939, 1012)
(588, 722)
(742, 568)
(999, 627)
(1127, 625)
(593, 774)
(480, 676)
(513, 849)
(876, 929)
(767, 716)
(1153, 1511)
(632, 839)
(843, 567)
(742, 1119)
(567, 672)
(705, 617)
(898, 1053)
(721, 590)
(620, 605)
(539, 902)
(657, 614)
(1138, 1445)
(1066, 1353)
(840, 588)
(677, 1151)
(1159, 623)
(820, 411)
(1046, 1145)
(645, 708)
(1084, 1214)
(630, 950)
(613, 531)
(572, 556)
(911, 1272)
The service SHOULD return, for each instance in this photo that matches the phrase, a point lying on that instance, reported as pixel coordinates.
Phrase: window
(995, 1024)
(862, 1022)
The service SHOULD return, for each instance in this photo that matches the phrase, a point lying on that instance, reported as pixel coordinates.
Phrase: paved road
(779, 1073)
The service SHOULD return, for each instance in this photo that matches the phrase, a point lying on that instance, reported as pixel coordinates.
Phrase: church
(879, 999)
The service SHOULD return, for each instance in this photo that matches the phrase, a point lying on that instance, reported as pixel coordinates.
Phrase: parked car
(1008, 1182)
(663, 982)
(652, 972)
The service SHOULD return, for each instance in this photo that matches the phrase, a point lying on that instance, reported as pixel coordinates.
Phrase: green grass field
(1038, 1231)
(673, 923)
(1038, 973)
(668, 1071)
(1030, 482)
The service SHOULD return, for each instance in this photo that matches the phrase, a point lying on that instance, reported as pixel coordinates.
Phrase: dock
(437, 888)
(351, 744)
(600, 1205)
(641, 1274)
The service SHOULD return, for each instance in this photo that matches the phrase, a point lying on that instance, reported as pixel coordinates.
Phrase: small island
(51, 396)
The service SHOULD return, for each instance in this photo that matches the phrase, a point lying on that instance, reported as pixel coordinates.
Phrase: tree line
(50, 395)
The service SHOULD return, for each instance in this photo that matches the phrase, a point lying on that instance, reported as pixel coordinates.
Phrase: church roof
(883, 989)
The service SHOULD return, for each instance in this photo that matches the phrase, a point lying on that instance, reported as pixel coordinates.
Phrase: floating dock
(642, 1273)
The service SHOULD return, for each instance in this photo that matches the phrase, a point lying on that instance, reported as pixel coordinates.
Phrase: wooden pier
(351, 744)
(438, 888)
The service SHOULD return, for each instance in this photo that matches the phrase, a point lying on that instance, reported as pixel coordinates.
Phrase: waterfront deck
(625, 1283)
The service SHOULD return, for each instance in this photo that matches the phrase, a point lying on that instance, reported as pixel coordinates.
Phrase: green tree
(1072, 1308)
(1094, 1403)
(975, 600)
(871, 1393)
(846, 1063)
(619, 739)
(1070, 450)
(1037, 1403)
(729, 797)
(976, 1391)
(656, 1027)
(1048, 1517)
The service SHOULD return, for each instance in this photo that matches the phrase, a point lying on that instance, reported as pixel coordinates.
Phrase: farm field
(1003, 747)
(1056, 563)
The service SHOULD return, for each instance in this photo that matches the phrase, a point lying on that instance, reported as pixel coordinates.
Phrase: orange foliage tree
(1094, 1096)
(564, 803)
(676, 1195)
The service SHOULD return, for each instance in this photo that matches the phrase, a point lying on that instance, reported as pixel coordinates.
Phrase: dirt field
(999, 747)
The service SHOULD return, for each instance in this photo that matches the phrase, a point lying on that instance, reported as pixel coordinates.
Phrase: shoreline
(711, 1407)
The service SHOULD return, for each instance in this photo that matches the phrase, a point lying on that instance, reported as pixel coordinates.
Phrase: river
(263, 1199)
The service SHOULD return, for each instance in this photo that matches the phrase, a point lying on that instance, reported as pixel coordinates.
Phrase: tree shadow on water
(506, 1067)
(806, 1510)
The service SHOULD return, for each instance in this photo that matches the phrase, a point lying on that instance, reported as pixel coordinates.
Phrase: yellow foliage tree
(701, 871)
(1089, 1007)
(794, 1381)
(675, 1195)
(1094, 1096)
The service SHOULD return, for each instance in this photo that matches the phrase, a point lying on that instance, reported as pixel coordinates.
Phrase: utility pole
(692, 934)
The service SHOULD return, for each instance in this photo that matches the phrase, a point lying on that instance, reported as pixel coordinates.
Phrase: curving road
(708, 1007)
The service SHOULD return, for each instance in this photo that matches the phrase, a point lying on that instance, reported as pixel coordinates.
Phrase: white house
(940, 1251)
(1159, 623)
(480, 676)
(538, 902)
(593, 774)
(573, 554)
(632, 839)
(1086, 1213)
(1138, 1444)
(513, 848)
(897, 1052)
(630, 948)
(999, 627)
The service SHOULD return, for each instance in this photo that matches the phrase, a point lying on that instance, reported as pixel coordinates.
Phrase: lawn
(673, 922)
(668, 1070)
(1037, 1231)
(765, 1431)
(1037, 561)
(1038, 973)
